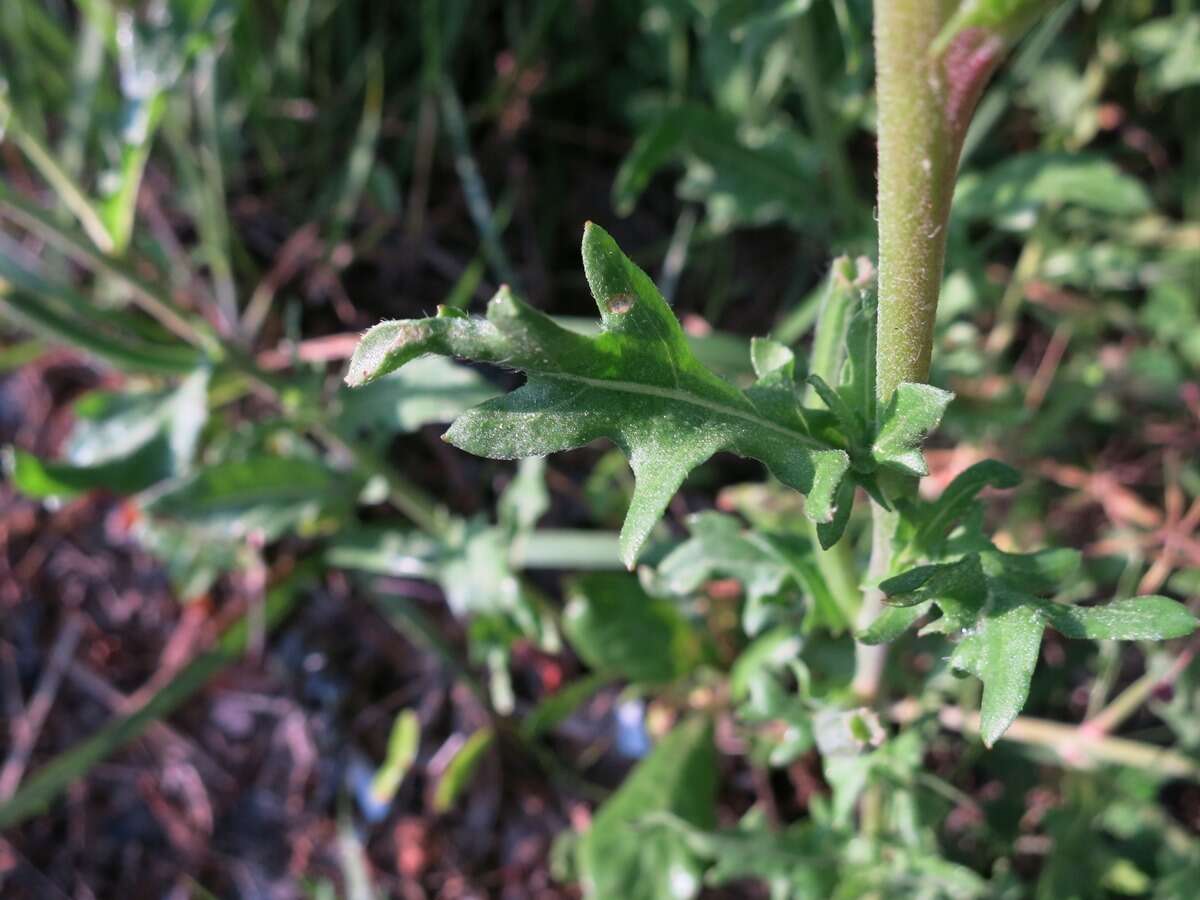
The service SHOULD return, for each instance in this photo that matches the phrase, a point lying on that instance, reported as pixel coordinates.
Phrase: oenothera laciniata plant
(854, 418)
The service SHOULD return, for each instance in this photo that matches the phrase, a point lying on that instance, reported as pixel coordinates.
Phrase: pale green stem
(1131, 699)
(1070, 744)
(917, 160)
(869, 660)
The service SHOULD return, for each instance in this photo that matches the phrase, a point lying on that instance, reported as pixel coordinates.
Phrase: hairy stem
(915, 178)
(925, 100)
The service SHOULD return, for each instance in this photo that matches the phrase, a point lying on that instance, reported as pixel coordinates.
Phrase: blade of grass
(153, 301)
(474, 189)
(68, 192)
(85, 77)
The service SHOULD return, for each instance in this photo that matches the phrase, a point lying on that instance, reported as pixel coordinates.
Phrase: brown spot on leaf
(619, 304)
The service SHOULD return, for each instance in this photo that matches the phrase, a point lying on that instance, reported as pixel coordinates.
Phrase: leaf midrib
(679, 396)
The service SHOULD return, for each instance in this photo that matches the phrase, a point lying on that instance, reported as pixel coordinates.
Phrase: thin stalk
(870, 660)
(1069, 744)
(917, 161)
(69, 193)
(1131, 699)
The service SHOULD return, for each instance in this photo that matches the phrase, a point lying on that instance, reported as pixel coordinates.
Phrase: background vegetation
(263, 636)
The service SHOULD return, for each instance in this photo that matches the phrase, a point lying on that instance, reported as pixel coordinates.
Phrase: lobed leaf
(618, 629)
(1150, 618)
(1002, 652)
(616, 859)
(636, 383)
(994, 601)
(914, 411)
(937, 519)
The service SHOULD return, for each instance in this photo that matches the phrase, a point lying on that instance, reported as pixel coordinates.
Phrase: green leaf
(914, 411)
(719, 547)
(429, 391)
(857, 381)
(147, 465)
(122, 442)
(960, 590)
(1150, 618)
(1016, 189)
(637, 383)
(110, 425)
(526, 498)
(764, 563)
(892, 622)
(59, 313)
(403, 743)
(938, 518)
(1168, 50)
(765, 181)
(461, 769)
(618, 859)
(476, 574)
(829, 533)
(801, 861)
(618, 629)
(1005, 19)
(267, 494)
(853, 426)
(1002, 652)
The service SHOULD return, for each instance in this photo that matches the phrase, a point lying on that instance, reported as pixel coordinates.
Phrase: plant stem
(1131, 699)
(921, 122)
(1069, 744)
(869, 660)
(917, 161)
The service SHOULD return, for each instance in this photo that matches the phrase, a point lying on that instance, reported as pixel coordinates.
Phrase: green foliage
(1068, 329)
(995, 604)
(1004, 19)
(619, 630)
(619, 856)
(768, 565)
(637, 383)
(1013, 192)
(403, 744)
